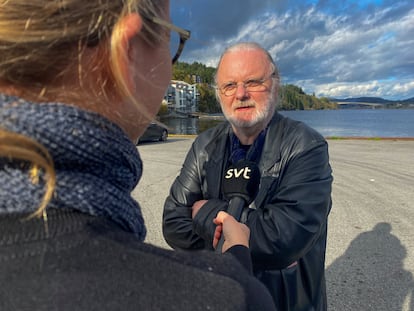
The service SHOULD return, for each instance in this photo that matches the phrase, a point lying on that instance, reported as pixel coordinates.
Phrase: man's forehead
(245, 53)
(243, 64)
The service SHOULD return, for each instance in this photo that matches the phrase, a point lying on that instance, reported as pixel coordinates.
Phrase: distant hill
(375, 100)
(409, 100)
(378, 101)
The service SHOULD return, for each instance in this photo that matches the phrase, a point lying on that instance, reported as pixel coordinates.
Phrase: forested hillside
(291, 97)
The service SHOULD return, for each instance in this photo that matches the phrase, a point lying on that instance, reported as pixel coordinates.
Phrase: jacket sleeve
(179, 229)
(295, 211)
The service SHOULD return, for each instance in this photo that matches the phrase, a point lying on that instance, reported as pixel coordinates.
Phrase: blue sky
(330, 48)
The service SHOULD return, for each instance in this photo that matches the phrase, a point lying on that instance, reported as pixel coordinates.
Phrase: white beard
(261, 116)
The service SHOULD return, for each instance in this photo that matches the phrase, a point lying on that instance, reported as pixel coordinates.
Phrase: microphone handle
(236, 206)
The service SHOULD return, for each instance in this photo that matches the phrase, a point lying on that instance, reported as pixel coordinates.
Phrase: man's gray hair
(248, 46)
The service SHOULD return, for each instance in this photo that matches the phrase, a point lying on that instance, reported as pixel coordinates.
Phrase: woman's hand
(235, 233)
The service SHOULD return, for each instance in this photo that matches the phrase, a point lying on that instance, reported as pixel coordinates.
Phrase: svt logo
(236, 173)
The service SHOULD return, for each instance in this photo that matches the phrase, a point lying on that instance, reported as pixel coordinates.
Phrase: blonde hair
(41, 41)
(21, 148)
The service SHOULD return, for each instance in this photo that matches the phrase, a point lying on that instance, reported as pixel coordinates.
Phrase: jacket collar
(217, 151)
(271, 149)
(217, 148)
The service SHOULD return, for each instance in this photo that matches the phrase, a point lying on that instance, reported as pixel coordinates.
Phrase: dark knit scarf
(96, 165)
(239, 152)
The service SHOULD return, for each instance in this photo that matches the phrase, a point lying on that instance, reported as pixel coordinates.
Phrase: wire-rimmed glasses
(251, 85)
(183, 34)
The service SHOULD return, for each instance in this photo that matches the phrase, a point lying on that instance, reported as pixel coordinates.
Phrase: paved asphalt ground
(370, 253)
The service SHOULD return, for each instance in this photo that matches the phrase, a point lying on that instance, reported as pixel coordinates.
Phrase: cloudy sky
(330, 48)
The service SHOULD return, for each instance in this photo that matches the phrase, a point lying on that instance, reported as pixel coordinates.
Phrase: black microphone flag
(241, 180)
(240, 186)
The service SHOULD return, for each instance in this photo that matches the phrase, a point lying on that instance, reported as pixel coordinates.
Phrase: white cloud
(332, 53)
(385, 89)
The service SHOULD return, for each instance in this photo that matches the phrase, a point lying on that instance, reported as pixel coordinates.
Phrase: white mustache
(244, 105)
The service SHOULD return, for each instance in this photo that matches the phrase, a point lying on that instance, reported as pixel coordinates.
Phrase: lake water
(340, 123)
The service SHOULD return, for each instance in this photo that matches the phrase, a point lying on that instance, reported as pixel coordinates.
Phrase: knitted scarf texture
(97, 166)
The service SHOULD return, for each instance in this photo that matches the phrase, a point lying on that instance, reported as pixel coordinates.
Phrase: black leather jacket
(287, 219)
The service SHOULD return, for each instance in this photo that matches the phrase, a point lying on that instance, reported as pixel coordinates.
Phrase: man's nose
(241, 91)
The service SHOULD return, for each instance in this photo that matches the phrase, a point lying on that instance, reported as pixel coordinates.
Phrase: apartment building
(182, 97)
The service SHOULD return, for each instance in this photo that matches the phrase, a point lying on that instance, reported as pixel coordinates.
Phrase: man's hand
(235, 233)
(197, 206)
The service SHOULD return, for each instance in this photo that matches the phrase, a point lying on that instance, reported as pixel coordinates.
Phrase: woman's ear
(128, 28)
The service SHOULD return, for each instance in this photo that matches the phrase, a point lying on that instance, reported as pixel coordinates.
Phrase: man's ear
(127, 28)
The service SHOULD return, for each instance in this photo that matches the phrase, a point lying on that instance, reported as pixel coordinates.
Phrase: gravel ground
(370, 253)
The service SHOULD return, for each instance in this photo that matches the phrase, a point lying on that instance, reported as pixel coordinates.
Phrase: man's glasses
(251, 85)
(177, 44)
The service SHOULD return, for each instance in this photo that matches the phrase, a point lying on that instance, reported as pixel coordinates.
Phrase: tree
(163, 108)
(293, 97)
(207, 101)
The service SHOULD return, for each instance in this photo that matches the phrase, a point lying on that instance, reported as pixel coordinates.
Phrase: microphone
(240, 186)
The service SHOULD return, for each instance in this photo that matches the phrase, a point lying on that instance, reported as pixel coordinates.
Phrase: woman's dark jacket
(83, 262)
(288, 218)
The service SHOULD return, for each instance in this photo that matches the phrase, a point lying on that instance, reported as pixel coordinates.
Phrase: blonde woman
(79, 82)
